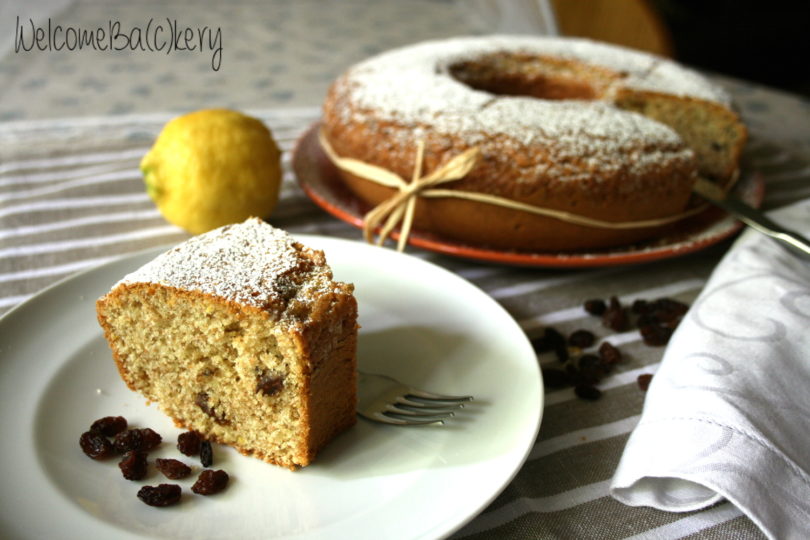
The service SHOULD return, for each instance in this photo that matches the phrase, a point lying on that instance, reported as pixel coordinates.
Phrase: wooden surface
(632, 23)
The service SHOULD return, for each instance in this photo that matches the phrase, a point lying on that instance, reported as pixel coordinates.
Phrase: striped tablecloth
(71, 197)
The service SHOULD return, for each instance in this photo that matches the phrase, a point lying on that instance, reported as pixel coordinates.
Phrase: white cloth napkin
(727, 415)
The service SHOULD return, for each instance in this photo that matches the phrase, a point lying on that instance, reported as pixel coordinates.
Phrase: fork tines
(422, 408)
(384, 399)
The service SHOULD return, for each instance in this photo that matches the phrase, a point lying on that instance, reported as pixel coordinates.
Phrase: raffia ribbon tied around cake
(401, 206)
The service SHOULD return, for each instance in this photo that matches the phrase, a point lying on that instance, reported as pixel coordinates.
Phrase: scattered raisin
(582, 339)
(640, 307)
(555, 378)
(644, 381)
(136, 439)
(667, 308)
(162, 495)
(172, 468)
(574, 376)
(109, 425)
(588, 392)
(127, 440)
(549, 341)
(591, 368)
(615, 316)
(595, 307)
(150, 438)
(646, 319)
(210, 482)
(134, 465)
(671, 324)
(655, 335)
(96, 445)
(554, 337)
(609, 354)
(189, 443)
(206, 454)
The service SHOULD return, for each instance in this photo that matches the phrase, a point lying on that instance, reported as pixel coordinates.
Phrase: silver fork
(384, 399)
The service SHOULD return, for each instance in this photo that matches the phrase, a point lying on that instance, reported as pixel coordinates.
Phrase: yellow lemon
(213, 167)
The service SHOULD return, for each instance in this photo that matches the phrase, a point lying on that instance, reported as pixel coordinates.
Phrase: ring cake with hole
(570, 125)
(242, 335)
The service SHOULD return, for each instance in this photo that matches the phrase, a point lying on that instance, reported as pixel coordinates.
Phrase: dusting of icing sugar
(670, 78)
(245, 263)
(413, 85)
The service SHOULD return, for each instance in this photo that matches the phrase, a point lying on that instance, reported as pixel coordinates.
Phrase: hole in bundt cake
(533, 76)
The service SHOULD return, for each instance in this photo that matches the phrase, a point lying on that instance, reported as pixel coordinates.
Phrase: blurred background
(284, 53)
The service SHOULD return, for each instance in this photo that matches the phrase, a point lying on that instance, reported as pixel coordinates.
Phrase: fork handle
(794, 242)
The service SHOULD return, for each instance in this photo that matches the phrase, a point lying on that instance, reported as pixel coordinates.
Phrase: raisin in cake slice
(241, 334)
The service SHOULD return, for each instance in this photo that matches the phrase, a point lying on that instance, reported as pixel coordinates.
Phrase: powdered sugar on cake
(248, 263)
(413, 86)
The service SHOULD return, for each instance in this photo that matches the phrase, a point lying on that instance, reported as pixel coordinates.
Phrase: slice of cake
(241, 334)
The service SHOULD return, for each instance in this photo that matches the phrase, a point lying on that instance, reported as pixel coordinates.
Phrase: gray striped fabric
(71, 197)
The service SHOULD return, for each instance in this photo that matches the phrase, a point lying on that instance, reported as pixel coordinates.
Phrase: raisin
(609, 354)
(615, 316)
(573, 374)
(640, 307)
(172, 468)
(591, 368)
(127, 440)
(109, 425)
(555, 378)
(668, 308)
(553, 336)
(588, 392)
(646, 319)
(541, 345)
(206, 454)
(644, 381)
(595, 307)
(150, 438)
(189, 443)
(96, 445)
(162, 495)
(671, 324)
(269, 383)
(202, 401)
(549, 341)
(134, 465)
(136, 439)
(582, 339)
(655, 335)
(210, 482)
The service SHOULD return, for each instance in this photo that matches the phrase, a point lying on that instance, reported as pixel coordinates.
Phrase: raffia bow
(400, 207)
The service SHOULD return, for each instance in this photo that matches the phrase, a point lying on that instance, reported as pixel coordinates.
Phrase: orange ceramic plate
(320, 180)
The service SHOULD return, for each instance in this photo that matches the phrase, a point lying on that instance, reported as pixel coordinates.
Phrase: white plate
(419, 323)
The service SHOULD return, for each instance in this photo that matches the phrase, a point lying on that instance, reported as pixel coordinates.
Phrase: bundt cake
(574, 126)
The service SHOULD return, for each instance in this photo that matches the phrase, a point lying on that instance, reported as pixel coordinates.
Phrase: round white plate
(420, 323)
